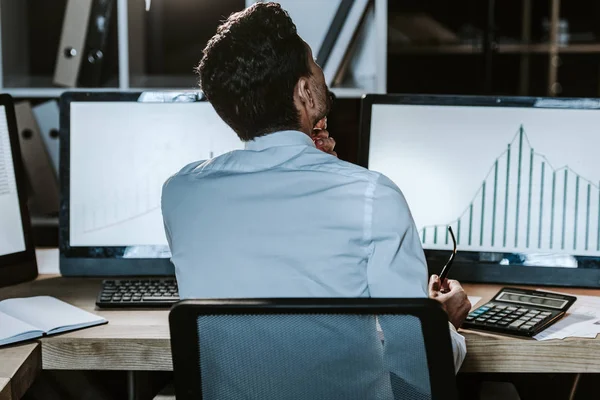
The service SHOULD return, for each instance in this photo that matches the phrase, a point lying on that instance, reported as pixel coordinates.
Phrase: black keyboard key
(162, 298)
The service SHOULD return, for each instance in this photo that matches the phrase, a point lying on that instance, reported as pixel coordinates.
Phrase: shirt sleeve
(397, 265)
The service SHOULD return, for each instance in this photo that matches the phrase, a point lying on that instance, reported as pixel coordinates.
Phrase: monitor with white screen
(12, 237)
(517, 179)
(117, 151)
(17, 257)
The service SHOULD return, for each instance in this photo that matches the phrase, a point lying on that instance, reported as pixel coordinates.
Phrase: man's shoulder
(191, 168)
(331, 164)
(377, 179)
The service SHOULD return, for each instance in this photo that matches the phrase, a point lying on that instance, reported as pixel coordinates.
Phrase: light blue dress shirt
(284, 219)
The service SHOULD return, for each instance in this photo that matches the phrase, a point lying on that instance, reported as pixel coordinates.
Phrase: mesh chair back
(330, 349)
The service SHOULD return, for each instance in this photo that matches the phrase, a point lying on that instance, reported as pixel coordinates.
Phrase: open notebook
(31, 317)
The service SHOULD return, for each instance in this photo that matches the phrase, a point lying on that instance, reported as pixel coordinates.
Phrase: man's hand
(453, 299)
(320, 136)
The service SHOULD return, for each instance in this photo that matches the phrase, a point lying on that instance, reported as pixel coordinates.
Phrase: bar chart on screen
(526, 203)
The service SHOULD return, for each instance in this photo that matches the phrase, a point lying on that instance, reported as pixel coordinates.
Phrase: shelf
(56, 92)
(41, 86)
(167, 82)
(433, 49)
(53, 92)
(504, 48)
(542, 48)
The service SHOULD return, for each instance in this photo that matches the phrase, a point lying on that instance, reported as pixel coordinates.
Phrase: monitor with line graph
(117, 150)
(517, 179)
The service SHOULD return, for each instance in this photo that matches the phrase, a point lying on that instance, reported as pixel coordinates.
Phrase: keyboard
(138, 293)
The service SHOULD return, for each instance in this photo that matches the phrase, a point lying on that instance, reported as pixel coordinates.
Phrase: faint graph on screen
(8, 183)
(120, 157)
(118, 168)
(526, 203)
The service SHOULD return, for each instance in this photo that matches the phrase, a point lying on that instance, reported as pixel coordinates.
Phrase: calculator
(519, 312)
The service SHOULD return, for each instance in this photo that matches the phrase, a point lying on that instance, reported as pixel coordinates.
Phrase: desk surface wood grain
(139, 340)
(19, 366)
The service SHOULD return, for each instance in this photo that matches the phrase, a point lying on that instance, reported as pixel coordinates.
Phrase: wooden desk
(19, 366)
(495, 353)
(139, 340)
(132, 340)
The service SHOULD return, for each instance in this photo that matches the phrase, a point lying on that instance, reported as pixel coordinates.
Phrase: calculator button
(534, 312)
(501, 307)
(516, 324)
(525, 327)
(480, 319)
(511, 308)
(470, 317)
(502, 323)
(536, 320)
(546, 314)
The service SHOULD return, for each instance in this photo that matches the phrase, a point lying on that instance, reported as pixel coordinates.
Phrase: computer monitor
(518, 180)
(117, 150)
(17, 255)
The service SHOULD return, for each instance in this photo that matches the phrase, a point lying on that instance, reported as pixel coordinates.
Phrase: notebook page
(13, 330)
(48, 313)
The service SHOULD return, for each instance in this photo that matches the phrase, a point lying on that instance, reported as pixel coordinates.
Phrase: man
(285, 217)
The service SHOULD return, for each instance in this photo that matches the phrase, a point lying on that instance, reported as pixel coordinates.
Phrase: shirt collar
(278, 139)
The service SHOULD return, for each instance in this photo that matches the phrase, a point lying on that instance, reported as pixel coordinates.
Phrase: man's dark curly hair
(250, 68)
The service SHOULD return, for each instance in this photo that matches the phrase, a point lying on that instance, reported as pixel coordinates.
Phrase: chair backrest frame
(183, 320)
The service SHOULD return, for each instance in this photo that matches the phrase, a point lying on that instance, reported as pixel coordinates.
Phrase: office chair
(312, 348)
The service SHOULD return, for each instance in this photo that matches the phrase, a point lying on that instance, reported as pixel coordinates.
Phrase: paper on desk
(582, 320)
(474, 300)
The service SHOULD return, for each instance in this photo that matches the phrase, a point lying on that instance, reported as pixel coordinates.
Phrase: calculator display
(532, 300)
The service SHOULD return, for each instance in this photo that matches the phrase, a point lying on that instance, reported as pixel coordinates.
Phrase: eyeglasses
(448, 265)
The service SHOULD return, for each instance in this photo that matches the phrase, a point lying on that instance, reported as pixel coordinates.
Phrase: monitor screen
(12, 237)
(120, 154)
(519, 185)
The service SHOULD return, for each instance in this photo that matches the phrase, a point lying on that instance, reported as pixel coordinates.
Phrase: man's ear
(304, 93)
